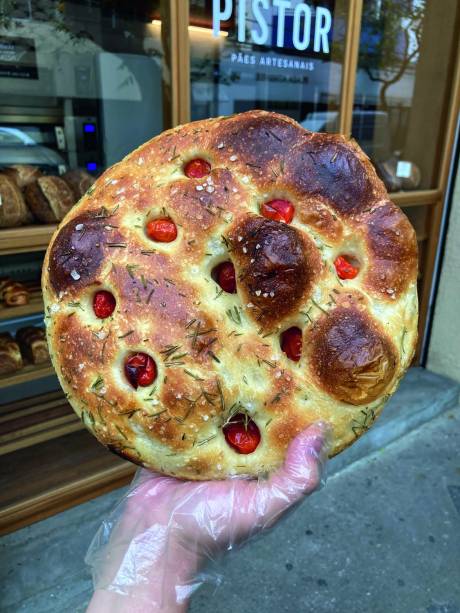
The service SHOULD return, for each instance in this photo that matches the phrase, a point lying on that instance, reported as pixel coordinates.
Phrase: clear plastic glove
(147, 556)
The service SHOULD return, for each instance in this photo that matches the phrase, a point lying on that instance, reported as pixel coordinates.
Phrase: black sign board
(18, 58)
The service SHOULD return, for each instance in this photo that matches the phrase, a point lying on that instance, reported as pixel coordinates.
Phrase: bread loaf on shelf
(10, 356)
(23, 174)
(33, 345)
(49, 199)
(79, 181)
(13, 210)
(13, 293)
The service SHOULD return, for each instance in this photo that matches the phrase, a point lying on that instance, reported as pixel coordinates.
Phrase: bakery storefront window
(81, 86)
(279, 56)
(406, 54)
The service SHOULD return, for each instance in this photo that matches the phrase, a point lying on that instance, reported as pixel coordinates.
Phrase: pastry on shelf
(79, 181)
(49, 199)
(33, 345)
(10, 355)
(13, 293)
(23, 174)
(13, 210)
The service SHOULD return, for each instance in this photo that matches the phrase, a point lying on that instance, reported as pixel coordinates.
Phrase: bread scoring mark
(77, 253)
(351, 358)
(393, 251)
(276, 267)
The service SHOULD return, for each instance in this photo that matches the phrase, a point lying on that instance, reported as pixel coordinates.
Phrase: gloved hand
(147, 557)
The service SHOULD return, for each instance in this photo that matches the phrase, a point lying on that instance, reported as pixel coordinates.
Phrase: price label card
(403, 169)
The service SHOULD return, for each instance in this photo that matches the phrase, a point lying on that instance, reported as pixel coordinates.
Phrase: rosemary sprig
(234, 315)
(403, 336)
(206, 440)
(268, 362)
(149, 296)
(98, 383)
(318, 306)
(75, 305)
(131, 268)
(121, 432)
(126, 334)
(191, 374)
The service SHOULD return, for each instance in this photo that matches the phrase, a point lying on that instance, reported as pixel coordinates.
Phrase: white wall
(444, 349)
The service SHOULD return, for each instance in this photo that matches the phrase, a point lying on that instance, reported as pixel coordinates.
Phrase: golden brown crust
(214, 352)
(276, 267)
(351, 358)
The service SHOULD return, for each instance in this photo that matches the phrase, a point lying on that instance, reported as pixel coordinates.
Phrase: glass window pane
(256, 55)
(404, 74)
(81, 82)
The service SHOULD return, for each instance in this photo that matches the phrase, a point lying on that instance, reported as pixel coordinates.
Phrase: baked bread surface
(218, 353)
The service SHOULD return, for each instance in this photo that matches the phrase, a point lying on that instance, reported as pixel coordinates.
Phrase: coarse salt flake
(233, 158)
(79, 227)
(220, 146)
(74, 274)
(199, 188)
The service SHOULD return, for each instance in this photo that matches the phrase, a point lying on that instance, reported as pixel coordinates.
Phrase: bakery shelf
(35, 420)
(44, 479)
(35, 305)
(25, 239)
(31, 372)
(416, 198)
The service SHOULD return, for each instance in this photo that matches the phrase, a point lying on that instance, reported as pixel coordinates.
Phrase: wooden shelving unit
(25, 239)
(60, 473)
(30, 372)
(35, 420)
(35, 305)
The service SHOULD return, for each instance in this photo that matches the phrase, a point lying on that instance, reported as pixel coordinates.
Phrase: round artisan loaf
(227, 284)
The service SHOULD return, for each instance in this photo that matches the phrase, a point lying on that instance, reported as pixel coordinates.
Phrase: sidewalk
(383, 536)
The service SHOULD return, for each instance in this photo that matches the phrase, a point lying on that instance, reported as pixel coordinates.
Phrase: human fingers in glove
(168, 528)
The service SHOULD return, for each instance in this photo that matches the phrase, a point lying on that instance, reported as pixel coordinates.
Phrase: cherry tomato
(242, 434)
(344, 269)
(195, 169)
(103, 304)
(140, 369)
(278, 210)
(291, 343)
(225, 276)
(162, 230)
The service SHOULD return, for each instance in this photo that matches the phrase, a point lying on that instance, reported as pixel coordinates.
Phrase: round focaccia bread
(227, 284)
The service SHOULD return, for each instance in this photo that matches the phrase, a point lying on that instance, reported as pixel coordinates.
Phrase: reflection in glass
(402, 85)
(81, 82)
(254, 55)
